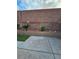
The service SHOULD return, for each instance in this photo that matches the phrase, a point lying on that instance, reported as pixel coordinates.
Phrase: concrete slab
(26, 54)
(39, 47)
(56, 45)
(57, 56)
(20, 44)
(38, 43)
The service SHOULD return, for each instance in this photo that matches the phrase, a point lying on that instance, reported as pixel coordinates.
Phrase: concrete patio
(39, 47)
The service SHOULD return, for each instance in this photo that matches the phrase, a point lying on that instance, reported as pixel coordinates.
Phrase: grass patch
(22, 37)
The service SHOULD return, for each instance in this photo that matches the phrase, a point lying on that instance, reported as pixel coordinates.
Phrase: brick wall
(50, 18)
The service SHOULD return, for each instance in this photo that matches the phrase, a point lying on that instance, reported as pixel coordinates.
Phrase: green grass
(22, 37)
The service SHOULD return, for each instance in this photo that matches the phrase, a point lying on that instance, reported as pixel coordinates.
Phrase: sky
(37, 4)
